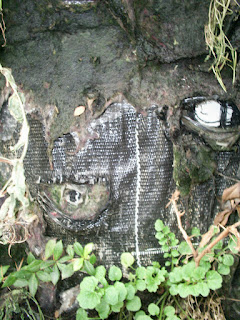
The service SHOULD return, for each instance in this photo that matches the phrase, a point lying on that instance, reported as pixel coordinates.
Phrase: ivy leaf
(214, 280)
(228, 260)
(100, 272)
(153, 309)
(141, 272)
(87, 250)
(117, 307)
(111, 295)
(70, 250)
(169, 311)
(49, 248)
(203, 288)
(173, 289)
(143, 317)
(218, 245)
(81, 314)
(184, 248)
(89, 268)
(66, 270)
(130, 291)
(205, 265)
(195, 232)
(77, 264)
(140, 313)
(174, 253)
(58, 250)
(166, 230)
(121, 290)
(3, 270)
(78, 249)
(21, 283)
(193, 290)
(103, 310)
(89, 284)
(159, 225)
(55, 275)
(114, 273)
(199, 273)
(141, 285)
(183, 290)
(127, 259)
(187, 270)
(88, 299)
(176, 275)
(10, 280)
(30, 258)
(33, 284)
(223, 269)
(232, 244)
(134, 304)
(44, 276)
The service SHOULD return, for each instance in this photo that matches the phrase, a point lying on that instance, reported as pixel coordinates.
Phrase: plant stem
(163, 304)
(181, 308)
(162, 297)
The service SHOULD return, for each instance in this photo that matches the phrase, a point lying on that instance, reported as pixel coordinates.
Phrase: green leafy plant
(106, 292)
(220, 48)
(55, 266)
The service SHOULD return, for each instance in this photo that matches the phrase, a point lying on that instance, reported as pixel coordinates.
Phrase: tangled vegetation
(220, 48)
(182, 287)
(13, 212)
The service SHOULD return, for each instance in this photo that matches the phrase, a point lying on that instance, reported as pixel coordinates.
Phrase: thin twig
(207, 236)
(226, 177)
(221, 236)
(179, 214)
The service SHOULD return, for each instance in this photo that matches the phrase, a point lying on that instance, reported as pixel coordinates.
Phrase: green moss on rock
(192, 165)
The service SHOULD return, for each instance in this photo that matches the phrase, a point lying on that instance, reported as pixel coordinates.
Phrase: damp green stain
(192, 166)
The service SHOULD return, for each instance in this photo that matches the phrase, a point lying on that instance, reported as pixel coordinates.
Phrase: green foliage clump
(106, 291)
(56, 265)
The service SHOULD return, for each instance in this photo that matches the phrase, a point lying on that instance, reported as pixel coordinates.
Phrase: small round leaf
(127, 259)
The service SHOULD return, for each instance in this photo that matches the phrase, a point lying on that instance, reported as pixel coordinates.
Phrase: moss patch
(192, 165)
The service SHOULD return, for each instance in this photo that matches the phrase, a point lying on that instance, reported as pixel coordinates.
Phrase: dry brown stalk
(3, 29)
(220, 220)
(221, 236)
(179, 214)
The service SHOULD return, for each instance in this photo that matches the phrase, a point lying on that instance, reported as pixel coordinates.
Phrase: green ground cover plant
(117, 290)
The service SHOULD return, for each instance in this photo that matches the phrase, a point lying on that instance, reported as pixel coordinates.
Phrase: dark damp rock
(163, 30)
(65, 54)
